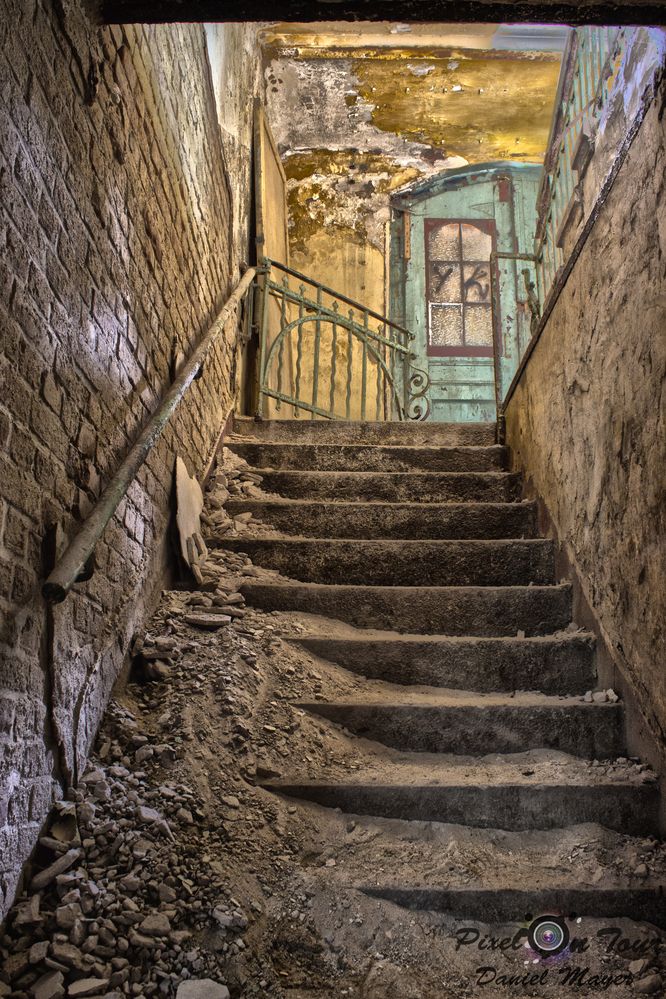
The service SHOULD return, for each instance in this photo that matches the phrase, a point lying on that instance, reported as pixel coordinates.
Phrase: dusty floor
(175, 864)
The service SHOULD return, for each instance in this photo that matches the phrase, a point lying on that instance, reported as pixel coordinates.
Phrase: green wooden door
(442, 236)
(459, 319)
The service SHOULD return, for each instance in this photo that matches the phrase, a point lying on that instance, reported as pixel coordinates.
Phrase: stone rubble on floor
(168, 872)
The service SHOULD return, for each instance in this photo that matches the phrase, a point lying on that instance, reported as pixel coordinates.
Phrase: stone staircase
(416, 538)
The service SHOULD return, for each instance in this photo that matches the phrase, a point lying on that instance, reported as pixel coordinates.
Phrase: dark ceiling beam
(544, 11)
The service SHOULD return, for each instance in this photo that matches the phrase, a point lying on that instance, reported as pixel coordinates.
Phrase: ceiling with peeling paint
(360, 110)
(457, 89)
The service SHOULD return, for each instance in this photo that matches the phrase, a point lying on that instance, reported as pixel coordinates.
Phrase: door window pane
(444, 242)
(476, 244)
(446, 325)
(444, 281)
(476, 279)
(478, 326)
(458, 286)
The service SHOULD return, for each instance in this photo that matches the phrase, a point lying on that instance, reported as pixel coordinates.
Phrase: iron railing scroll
(327, 356)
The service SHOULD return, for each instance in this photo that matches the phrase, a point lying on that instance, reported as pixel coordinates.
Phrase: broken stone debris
(144, 905)
(601, 696)
(203, 988)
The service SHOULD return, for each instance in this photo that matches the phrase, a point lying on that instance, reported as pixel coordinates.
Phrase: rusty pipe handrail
(71, 566)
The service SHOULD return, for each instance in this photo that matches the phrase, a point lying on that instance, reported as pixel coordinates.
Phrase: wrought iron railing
(324, 354)
(590, 67)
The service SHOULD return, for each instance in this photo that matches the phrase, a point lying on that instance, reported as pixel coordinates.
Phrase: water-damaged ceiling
(475, 91)
(361, 109)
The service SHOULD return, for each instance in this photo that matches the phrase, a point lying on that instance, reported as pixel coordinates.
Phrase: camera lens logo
(548, 935)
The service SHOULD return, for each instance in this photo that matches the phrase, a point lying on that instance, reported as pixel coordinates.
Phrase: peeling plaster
(359, 113)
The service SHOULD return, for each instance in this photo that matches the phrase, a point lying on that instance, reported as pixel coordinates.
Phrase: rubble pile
(124, 883)
(233, 479)
(170, 871)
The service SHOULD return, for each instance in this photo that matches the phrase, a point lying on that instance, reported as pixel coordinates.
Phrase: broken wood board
(189, 506)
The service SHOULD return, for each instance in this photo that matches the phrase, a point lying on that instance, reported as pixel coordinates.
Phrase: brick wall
(115, 252)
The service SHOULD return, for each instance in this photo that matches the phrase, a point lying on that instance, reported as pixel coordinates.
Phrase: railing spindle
(334, 361)
(350, 363)
(299, 348)
(315, 360)
(364, 367)
(283, 322)
(378, 387)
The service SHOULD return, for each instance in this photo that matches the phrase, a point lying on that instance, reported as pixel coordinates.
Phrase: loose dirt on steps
(172, 864)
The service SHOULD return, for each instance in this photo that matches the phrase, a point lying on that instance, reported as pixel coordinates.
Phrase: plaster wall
(587, 419)
(359, 116)
(642, 54)
(117, 250)
(234, 55)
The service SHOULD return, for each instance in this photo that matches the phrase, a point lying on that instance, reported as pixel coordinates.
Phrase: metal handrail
(73, 565)
(336, 294)
(292, 363)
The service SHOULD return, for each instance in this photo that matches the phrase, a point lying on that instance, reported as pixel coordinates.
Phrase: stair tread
(285, 584)
(383, 457)
(299, 540)
(437, 855)
(438, 697)
(495, 475)
(410, 506)
(463, 610)
(275, 430)
(372, 486)
(535, 768)
(347, 633)
(305, 446)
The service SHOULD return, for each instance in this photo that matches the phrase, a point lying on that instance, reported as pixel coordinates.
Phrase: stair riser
(363, 458)
(404, 563)
(425, 610)
(558, 666)
(510, 905)
(591, 731)
(372, 520)
(342, 432)
(629, 810)
(395, 488)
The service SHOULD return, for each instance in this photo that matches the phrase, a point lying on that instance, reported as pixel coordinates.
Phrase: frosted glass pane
(477, 282)
(446, 325)
(444, 242)
(444, 282)
(478, 326)
(476, 244)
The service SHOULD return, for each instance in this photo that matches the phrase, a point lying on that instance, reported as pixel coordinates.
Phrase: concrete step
(490, 876)
(395, 487)
(370, 457)
(560, 664)
(469, 724)
(392, 520)
(494, 876)
(348, 432)
(454, 610)
(505, 794)
(508, 904)
(405, 563)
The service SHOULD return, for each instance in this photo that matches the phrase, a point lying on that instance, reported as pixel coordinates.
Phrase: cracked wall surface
(118, 249)
(587, 421)
(361, 112)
